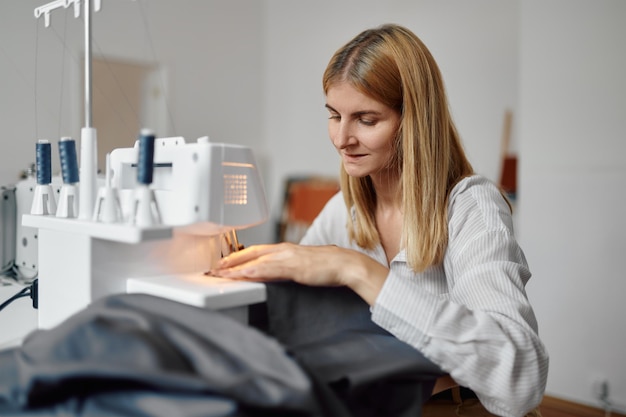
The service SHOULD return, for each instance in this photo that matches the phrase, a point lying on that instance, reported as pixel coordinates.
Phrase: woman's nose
(342, 135)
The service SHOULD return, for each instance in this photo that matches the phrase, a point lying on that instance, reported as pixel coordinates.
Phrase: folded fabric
(140, 355)
(329, 331)
(136, 355)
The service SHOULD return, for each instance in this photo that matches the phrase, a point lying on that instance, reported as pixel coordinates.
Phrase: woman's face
(362, 129)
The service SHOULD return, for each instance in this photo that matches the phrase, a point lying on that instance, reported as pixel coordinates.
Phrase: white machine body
(201, 188)
(204, 191)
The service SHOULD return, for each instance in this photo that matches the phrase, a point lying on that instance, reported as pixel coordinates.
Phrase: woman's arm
(478, 324)
(324, 257)
(326, 265)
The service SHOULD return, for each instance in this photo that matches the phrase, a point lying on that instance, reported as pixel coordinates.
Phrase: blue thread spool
(145, 163)
(69, 161)
(43, 155)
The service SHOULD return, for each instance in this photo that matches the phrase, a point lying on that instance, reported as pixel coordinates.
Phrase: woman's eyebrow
(366, 112)
(356, 113)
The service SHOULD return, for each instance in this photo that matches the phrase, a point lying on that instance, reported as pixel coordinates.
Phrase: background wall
(573, 171)
(249, 72)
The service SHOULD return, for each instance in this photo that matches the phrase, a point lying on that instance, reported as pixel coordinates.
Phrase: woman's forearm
(366, 278)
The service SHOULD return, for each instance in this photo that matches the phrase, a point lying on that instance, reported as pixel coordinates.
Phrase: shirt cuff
(405, 310)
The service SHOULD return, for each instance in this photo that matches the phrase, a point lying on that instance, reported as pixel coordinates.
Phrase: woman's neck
(387, 191)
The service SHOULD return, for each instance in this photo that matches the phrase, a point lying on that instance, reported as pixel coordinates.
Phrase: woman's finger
(245, 255)
(261, 268)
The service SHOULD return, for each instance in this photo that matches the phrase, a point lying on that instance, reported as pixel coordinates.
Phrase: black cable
(25, 292)
(31, 291)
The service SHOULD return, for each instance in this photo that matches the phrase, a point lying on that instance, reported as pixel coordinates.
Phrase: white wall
(572, 191)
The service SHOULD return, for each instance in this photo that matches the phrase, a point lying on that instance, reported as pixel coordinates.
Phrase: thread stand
(145, 211)
(44, 201)
(88, 168)
(108, 208)
(68, 201)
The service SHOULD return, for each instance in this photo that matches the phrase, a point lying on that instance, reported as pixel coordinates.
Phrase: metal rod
(47, 8)
(88, 110)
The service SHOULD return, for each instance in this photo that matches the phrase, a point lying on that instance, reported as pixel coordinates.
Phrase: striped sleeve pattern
(471, 314)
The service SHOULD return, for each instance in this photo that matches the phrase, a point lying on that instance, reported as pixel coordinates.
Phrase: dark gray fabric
(139, 355)
(329, 330)
(300, 315)
(136, 355)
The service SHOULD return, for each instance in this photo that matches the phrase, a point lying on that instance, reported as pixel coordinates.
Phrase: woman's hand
(308, 265)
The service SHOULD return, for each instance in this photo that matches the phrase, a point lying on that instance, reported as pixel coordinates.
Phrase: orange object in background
(508, 172)
(304, 199)
(307, 198)
(508, 178)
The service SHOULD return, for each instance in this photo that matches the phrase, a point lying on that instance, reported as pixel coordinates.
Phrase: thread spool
(145, 162)
(68, 205)
(43, 164)
(69, 161)
(44, 201)
(145, 211)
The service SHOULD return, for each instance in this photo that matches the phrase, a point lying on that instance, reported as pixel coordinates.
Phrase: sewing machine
(164, 213)
(201, 193)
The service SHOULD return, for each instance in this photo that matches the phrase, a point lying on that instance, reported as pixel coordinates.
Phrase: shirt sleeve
(483, 330)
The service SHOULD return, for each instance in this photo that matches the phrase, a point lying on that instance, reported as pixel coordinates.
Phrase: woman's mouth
(355, 157)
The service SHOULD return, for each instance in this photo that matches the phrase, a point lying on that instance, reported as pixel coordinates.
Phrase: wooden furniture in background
(508, 160)
(304, 199)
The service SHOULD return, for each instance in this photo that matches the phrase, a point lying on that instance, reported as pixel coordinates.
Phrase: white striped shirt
(470, 315)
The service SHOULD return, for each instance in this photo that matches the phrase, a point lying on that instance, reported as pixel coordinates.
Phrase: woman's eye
(334, 117)
(367, 122)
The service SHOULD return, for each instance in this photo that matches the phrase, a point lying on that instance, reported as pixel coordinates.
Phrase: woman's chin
(357, 173)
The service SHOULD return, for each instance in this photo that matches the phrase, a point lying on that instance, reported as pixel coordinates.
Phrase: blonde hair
(392, 65)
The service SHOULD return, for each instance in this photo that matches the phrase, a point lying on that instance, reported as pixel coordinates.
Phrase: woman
(424, 241)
